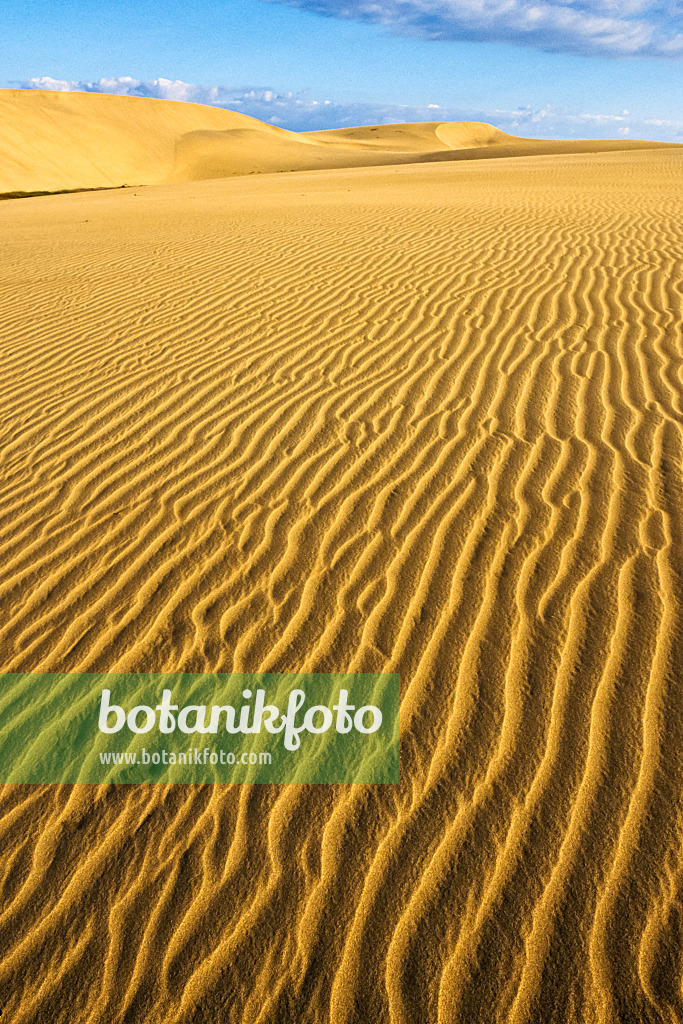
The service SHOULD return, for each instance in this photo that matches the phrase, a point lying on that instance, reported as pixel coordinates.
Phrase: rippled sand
(424, 419)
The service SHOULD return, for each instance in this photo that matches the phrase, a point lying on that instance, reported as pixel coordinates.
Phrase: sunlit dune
(423, 137)
(424, 418)
(61, 140)
(52, 141)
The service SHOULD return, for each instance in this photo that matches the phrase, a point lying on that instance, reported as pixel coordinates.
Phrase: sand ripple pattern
(422, 420)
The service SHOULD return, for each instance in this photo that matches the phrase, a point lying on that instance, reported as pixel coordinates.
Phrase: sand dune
(68, 140)
(426, 419)
(52, 141)
(201, 155)
(424, 137)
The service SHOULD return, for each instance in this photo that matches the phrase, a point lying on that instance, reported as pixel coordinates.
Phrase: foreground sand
(422, 419)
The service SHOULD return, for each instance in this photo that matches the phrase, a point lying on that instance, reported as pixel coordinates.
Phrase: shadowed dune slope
(423, 419)
(217, 154)
(53, 140)
(213, 154)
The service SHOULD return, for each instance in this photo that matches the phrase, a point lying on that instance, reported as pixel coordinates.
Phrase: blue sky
(545, 68)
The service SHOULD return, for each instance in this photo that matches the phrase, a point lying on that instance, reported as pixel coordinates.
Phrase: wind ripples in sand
(422, 420)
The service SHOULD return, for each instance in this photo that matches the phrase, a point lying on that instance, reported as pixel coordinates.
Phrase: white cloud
(161, 88)
(299, 112)
(619, 28)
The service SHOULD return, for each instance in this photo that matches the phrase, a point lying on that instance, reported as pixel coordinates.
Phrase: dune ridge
(424, 419)
(53, 141)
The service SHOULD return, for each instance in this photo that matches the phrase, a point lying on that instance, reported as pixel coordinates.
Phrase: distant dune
(425, 419)
(66, 140)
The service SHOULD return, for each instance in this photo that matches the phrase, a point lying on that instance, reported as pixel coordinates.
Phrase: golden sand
(51, 141)
(424, 419)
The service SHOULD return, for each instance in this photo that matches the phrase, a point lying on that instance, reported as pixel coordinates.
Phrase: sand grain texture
(426, 419)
